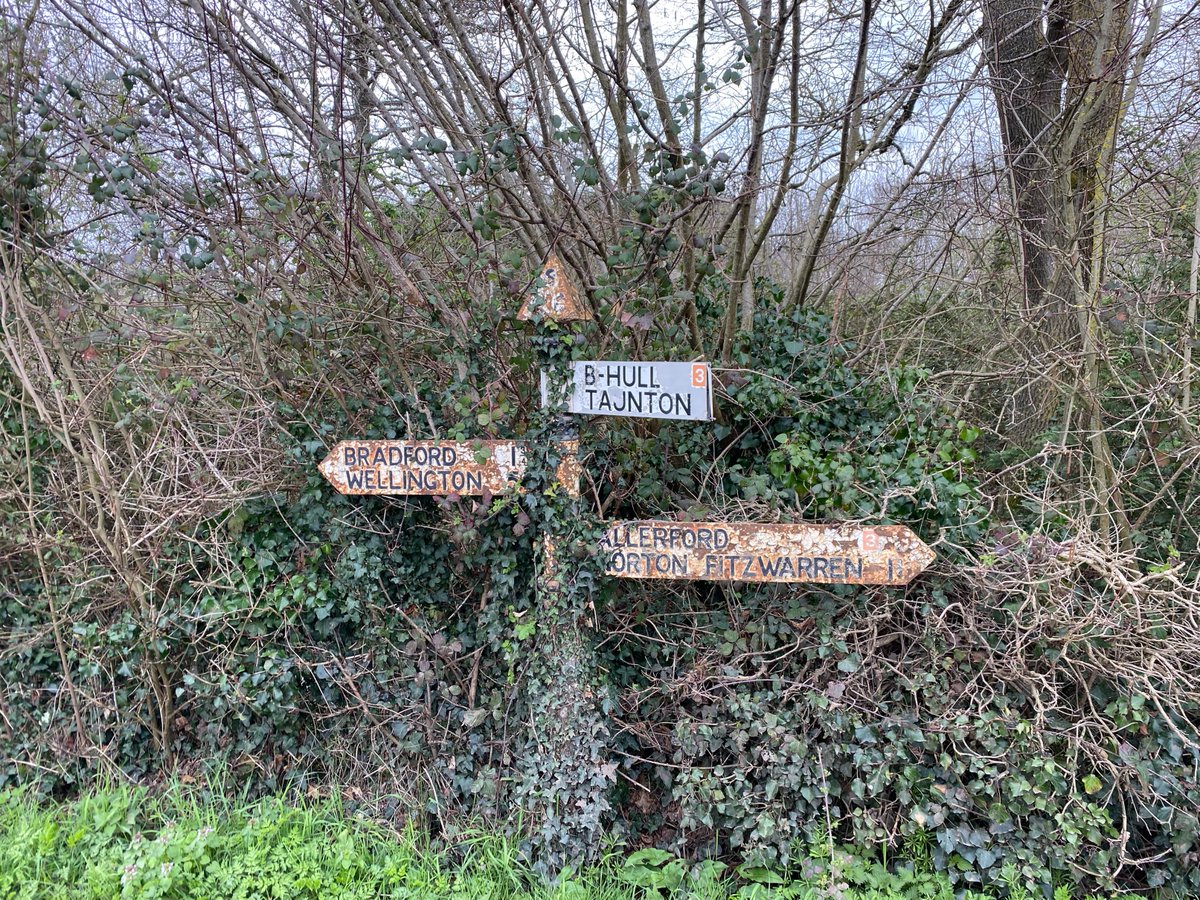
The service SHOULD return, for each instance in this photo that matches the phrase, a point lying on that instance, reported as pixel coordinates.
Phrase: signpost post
(561, 682)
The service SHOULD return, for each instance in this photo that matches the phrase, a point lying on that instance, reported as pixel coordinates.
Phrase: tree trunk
(1058, 72)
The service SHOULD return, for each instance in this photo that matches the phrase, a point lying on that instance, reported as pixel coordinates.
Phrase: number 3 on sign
(699, 375)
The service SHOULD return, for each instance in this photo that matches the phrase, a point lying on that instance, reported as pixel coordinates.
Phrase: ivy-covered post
(567, 774)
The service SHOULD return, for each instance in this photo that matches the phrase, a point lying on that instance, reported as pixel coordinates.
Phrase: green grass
(122, 842)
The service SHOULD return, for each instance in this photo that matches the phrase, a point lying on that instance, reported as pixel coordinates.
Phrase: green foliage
(853, 447)
(189, 843)
(123, 843)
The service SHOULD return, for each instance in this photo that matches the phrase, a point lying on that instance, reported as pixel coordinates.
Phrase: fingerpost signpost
(561, 683)
(708, 551)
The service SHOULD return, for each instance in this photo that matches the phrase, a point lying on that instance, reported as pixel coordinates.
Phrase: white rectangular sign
(649, 390)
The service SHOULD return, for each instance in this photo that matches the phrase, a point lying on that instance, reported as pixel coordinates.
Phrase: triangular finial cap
(559, 298)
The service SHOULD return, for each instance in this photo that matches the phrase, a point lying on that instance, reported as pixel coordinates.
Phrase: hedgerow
(992, 712)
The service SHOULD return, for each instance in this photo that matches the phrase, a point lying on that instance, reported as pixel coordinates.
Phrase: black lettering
(820, 567)
(804, 566)
(354, 481)
(769, 567)
(720, 538)
(853, 568)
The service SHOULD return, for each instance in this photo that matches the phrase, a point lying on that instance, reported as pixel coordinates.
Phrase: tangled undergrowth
(1025, 707)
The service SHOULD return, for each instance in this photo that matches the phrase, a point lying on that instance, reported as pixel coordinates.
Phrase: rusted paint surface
(557, 298)
(429, 468)
(569, 469)
(741, 551)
